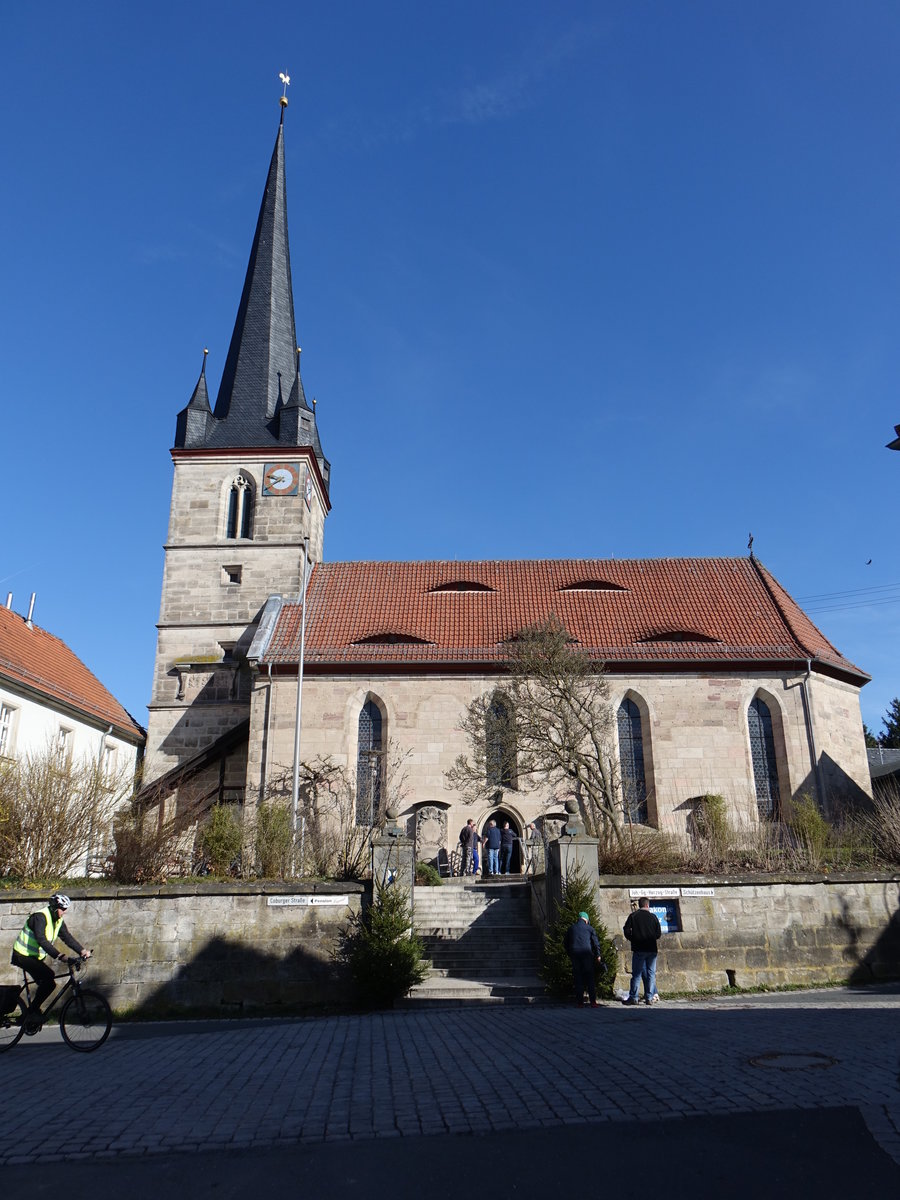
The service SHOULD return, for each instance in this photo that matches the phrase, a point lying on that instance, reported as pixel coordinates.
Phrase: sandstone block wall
(217, 950)
(767, 931)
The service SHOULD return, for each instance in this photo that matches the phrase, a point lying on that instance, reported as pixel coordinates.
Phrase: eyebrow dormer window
(460, 585)
(593, 585)
(391, 638)
(679, 635)
(240, 509)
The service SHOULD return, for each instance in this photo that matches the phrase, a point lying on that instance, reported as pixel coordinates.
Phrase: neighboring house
(50, 701)
(719, 681)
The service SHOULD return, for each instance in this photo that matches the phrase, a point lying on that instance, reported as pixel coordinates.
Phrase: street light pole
(295, 790)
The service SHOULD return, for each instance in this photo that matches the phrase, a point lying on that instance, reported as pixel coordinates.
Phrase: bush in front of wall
(556, 968)
(383, 952)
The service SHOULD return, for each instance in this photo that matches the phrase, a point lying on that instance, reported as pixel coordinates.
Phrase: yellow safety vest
(27, 943)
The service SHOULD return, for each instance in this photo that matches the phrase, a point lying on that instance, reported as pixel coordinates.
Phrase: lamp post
(295, 790)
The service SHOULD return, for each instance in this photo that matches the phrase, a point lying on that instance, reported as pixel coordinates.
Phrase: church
(718, 680)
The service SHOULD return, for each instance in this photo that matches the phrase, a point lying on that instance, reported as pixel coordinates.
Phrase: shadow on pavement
(781, 1155)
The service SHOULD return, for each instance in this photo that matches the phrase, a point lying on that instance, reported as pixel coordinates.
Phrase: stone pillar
(571, 850)
(394, 857)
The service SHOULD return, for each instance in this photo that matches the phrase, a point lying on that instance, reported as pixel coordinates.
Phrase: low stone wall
(785, 929)
(208, 948)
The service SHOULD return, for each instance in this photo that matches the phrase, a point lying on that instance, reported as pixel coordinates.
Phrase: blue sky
(571, 279)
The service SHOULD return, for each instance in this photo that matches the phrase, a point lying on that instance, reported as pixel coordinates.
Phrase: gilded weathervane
(285, 80)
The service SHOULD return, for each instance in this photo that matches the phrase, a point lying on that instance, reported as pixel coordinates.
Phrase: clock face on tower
(281, 479)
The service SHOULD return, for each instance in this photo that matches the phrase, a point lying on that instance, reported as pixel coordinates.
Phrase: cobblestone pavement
(158, 1089)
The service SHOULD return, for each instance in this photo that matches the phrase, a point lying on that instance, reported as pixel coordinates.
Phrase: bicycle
(84, 1020)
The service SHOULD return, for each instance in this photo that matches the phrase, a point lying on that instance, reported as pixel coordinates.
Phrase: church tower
(250, 484)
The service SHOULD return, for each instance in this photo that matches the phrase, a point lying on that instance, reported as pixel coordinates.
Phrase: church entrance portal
(501, 816)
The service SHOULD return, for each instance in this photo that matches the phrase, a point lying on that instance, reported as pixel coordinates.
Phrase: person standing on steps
(507, 841)
(643, 931)
(466, 844)
(492, 843)
(476, 842)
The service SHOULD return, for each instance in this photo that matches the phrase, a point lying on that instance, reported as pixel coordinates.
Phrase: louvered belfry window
(368, 764)
(765, 767)
(240, 509)
(631, 762)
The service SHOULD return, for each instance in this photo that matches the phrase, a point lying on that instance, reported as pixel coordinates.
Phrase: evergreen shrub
(556, 967)
(384, 954)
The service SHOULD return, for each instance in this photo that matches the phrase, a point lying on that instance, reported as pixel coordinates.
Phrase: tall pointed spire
(264, 337)
(261, 379)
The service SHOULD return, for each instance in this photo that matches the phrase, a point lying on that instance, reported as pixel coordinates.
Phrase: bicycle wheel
(11, 1027)
(85, 1020)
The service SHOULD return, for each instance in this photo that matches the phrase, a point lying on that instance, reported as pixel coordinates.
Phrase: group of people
(498, 844)
(582, 944)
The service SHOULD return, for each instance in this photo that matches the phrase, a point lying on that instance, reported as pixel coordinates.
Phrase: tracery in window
(631, 762)
(369, 764)
(500, 749)
(239, 517)
(765, 765)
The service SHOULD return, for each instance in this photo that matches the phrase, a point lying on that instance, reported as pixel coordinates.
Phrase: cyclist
(35, 943)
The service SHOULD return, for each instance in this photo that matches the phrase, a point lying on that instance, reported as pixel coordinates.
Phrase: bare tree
(336, 829)
(56, 814)
(559, 731)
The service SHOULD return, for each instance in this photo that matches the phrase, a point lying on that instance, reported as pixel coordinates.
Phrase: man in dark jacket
(583, 948)
(35, 943)
(466, 845)
(507, 841)
(492, 845)
(643, 931)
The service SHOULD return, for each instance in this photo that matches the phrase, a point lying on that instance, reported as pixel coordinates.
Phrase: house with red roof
(50, 701)
(719, 682)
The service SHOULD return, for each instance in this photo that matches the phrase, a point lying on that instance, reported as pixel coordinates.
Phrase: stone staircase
(481, 943)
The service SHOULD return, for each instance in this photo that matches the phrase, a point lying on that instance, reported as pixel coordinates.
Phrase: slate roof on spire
(261, 376)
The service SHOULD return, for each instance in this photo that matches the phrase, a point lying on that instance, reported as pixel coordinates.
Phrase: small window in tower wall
(231, 574)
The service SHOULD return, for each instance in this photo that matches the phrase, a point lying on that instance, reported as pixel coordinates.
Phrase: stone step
(438, 990)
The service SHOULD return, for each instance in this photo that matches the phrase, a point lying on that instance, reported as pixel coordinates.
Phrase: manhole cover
(793, 1061)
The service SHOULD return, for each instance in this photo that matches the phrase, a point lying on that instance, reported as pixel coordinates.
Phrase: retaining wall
(207, 948)
(786, 929)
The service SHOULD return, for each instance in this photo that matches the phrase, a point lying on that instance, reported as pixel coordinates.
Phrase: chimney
(9, 600)
(30, 610)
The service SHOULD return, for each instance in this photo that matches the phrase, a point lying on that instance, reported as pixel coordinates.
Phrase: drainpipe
(810, 735)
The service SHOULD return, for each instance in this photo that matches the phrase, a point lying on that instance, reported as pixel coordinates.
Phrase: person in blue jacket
(583, 948)
(492, 844)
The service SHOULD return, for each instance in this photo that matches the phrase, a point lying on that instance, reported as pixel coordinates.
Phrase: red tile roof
(35, 659)
(619, 609)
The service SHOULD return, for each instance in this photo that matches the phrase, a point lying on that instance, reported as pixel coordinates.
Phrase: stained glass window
(631, 762)
(765, 767)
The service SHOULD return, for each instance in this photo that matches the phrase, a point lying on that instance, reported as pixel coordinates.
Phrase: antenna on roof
(750, 545)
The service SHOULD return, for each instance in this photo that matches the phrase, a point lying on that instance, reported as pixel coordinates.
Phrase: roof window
(593, 585)
(461, 585)
(391, 638)
(678, 635)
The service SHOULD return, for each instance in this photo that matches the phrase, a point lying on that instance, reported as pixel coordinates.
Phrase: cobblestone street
(204, 1085)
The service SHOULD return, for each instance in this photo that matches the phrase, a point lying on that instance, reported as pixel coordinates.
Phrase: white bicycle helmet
(60, 902)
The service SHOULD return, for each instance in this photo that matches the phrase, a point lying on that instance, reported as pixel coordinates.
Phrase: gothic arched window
(631, 762)
(239, 519)
(500, 743)
(765, 766)
(369, 764)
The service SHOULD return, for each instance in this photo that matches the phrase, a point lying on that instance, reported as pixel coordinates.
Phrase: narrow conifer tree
(556, 969)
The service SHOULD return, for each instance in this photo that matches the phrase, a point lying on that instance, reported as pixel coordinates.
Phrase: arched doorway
(501, 816)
